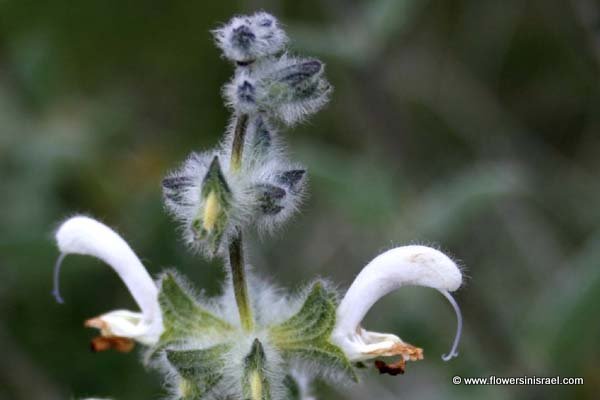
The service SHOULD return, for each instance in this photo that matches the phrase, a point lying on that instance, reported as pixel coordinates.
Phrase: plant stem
(238, 277)
(239, 137)
(236, 247)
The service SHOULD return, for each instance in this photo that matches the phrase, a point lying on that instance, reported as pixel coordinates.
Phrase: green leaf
(306, 334)
(200, 370)
(255, 385)
(182, 316)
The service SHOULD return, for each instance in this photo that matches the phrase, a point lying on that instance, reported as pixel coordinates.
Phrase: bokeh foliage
(472, 125)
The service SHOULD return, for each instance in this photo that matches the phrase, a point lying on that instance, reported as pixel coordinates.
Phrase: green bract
(183, 317)
(200, 370)
(203, 351)
(306, 334)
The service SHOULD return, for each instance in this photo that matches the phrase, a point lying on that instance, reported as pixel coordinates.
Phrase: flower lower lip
(402, 266)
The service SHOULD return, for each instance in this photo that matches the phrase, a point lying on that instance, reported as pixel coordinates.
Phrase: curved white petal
(86, 236)
(402, 266)
(124, 323)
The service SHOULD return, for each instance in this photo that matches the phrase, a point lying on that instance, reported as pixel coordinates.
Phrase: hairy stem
(238, 277)
(236, 247)
(239, 137)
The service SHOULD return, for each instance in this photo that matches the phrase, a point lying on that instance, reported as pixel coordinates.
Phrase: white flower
(402, 266)
(86, 236)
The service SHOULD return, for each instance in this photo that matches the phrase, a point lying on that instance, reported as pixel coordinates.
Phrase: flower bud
(292, 179)
(246, 92)
(210, 202)
(210, 222)
(278, 196)
(287, 89)
(299, 74)
(248, 38)
(241, 94)
(270, 198)
(255, 385)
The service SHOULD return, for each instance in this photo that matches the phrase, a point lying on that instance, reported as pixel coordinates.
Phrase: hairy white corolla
(86, 236)
(402, 266)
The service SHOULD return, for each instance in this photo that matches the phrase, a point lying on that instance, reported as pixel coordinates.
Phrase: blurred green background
(471, 125)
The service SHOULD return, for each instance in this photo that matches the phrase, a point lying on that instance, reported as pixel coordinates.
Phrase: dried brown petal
(393, 369)
(120, 344)
(406, 350)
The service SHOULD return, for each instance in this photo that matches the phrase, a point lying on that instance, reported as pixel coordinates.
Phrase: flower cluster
(211, 195)
(213, 198)
(252, 342)
(286, 88)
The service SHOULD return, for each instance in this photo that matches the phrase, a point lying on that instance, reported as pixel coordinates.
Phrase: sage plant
(254, 341)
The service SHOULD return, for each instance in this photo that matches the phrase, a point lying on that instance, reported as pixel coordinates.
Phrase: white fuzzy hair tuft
(248, 38)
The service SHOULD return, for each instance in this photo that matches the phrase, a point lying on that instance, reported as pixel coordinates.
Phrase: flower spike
(254, 341)
(402, 266)
(86, 236)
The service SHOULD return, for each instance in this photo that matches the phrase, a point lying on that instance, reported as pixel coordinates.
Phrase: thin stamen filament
(56, 279)
(459, 323)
